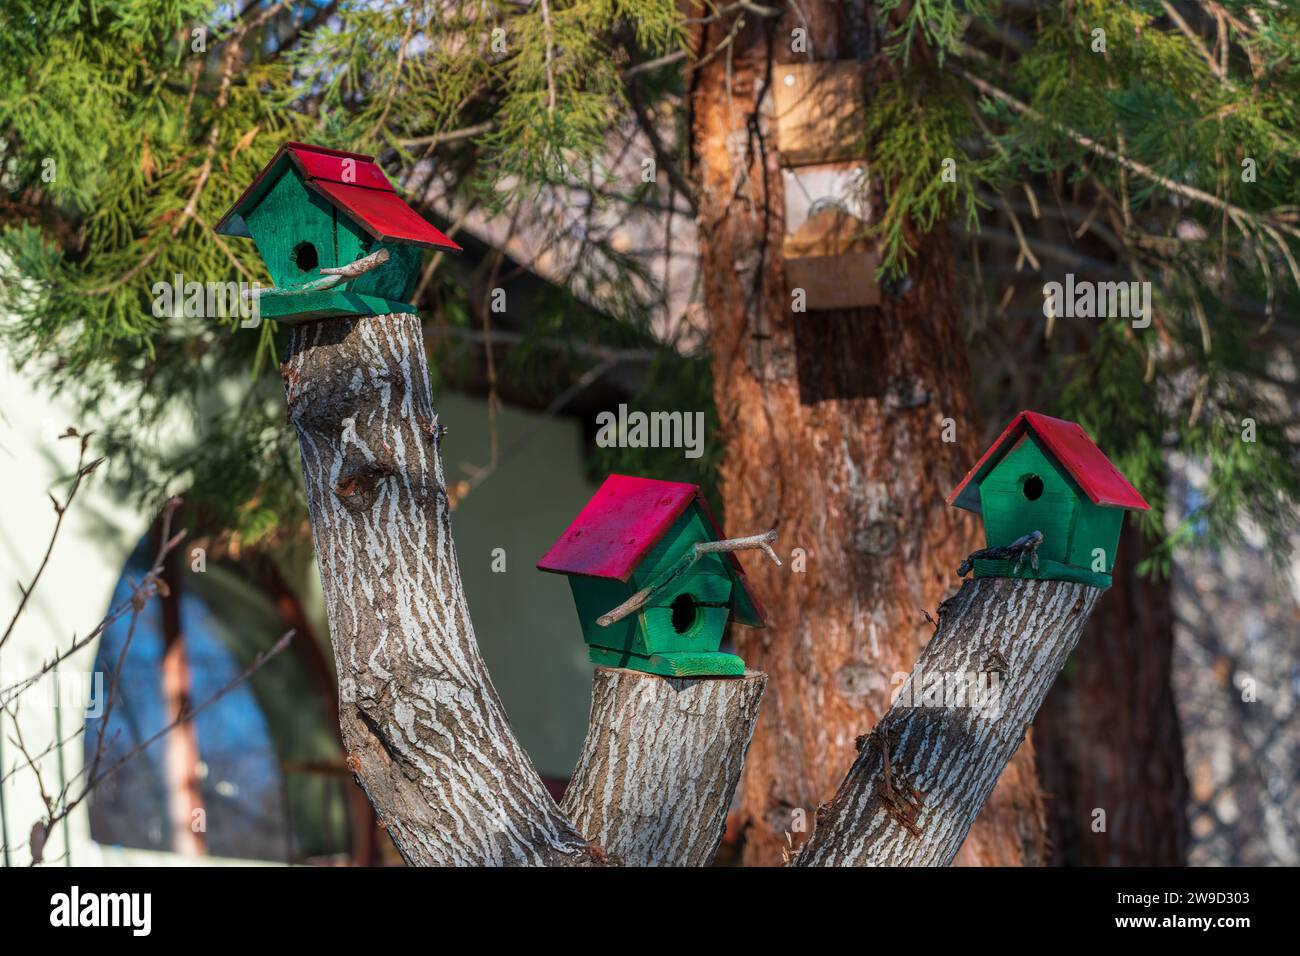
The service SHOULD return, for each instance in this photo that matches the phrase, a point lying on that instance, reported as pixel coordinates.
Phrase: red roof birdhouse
(1045, 475)
(653, 580)
(334, 234)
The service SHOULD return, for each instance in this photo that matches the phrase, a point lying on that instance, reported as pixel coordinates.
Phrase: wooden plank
(820, 111)
(690, 664)
(1008, 514)
(846, 281)
(593, 597)
(310, 306)
(1047, 571)
(710, 596)
(287, 216)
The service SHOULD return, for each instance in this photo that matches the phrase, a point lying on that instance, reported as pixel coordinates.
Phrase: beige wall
(524, 619)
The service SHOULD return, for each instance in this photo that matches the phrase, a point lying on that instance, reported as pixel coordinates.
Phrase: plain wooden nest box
(1044, 474)
(821, 135)
(314, 209)
(632, 534)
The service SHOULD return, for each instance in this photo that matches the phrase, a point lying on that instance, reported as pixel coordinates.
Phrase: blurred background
(1177, 713)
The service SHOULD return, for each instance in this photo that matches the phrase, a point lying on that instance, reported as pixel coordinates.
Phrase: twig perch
(1026, 546)
(753, 542)
(332, 276)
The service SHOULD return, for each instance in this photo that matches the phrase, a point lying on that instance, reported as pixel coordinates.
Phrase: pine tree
(1137, 140)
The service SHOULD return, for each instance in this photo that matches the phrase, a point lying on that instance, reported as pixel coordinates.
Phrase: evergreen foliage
(125, 134)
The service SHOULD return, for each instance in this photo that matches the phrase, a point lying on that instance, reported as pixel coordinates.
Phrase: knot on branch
(357, 489)
(1026, 546)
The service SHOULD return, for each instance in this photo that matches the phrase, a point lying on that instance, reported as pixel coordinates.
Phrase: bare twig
(753, 542)
(60, 509)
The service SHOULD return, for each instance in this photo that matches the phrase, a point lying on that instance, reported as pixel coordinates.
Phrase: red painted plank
(624, 519)
(332, 165)
(383, 214)
(1100, 480)
(615, 530)
(354, 183)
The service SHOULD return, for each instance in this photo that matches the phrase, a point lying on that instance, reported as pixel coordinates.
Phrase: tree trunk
(1108, 735)
(660, 764)
(833, 426)
(925, 772)
(423, 726)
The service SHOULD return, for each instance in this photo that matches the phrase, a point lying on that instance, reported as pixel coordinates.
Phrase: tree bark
(424, 729)
(832, 423)
(925, 772)
(1108, 735)
(423, 726)
(660, 764)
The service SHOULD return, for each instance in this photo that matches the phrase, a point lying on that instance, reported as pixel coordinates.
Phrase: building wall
(524, 619)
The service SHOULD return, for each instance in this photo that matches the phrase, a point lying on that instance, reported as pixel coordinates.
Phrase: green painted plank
(289, 215)
(691, 527)
(715, 664)
(1008, 514)
(1047, 571)
(705, 608)
(595, 596)
(1095, 527)
(325, 304)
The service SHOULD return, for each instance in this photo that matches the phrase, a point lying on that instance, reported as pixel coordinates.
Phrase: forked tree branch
(425, 732)
(428, 739)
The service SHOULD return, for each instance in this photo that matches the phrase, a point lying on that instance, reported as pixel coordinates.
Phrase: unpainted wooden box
(819, 111)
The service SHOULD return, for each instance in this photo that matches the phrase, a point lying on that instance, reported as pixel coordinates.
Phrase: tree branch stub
(660, 764)
(924, 773)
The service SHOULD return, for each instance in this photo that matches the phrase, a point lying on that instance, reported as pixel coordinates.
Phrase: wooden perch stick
(358, 268)
(924, 773)
(333, 275)
(660, 764)
(753, 542)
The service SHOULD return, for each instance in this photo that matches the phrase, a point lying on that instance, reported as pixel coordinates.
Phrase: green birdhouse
(335, 236)
(1045, 475)
(653, 580)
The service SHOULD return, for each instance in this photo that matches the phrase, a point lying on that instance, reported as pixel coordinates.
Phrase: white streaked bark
(424, 728)
(660, 764)
(929, 766)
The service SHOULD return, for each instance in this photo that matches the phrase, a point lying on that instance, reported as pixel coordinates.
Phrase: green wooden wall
(1072, 525)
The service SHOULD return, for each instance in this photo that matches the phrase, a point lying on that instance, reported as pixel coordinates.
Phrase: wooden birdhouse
(653, 581)
(1045, 475)
(820, 118)
(335, 236)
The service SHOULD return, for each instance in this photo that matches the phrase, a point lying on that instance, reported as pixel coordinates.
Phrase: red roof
(624, 519)
(351, 182)
(1070, 445)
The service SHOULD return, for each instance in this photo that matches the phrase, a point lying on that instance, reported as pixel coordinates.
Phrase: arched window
(259, 772)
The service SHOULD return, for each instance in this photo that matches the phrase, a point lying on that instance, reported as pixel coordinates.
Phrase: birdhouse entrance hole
(683, 608)
(1033, 487)
(305, 257)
